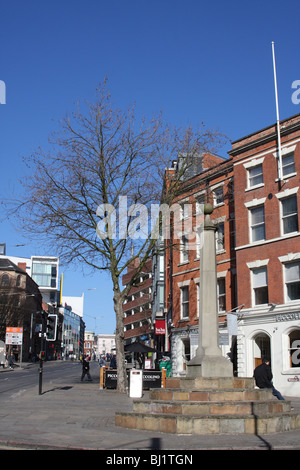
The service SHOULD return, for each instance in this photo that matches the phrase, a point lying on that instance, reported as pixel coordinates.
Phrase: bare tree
(101, 159)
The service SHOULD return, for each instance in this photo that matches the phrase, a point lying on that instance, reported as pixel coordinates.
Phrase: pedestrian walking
(86, 369)
(11, 360)
(263, 378)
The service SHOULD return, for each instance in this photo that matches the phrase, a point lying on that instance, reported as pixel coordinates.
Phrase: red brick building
(258, 257)
(215, 185)
(137, 306)
(268, 251)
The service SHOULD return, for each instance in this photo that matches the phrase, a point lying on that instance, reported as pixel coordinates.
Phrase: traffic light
(42, 355)
(51, 327)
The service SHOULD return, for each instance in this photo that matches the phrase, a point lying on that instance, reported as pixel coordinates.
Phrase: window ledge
(294, 371)
(183, 263)
(256, 186)
(286, 177)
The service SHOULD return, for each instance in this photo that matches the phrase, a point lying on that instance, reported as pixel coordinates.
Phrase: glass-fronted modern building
(72, 334)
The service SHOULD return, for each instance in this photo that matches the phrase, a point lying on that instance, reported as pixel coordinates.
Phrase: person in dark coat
(263, 378)
(113, 362)
(86, 369)
(11, 360)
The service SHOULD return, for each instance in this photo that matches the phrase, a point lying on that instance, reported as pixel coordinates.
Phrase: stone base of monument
(210, 366)
(219, 405)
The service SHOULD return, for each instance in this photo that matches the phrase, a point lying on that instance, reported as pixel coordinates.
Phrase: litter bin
(136, 383)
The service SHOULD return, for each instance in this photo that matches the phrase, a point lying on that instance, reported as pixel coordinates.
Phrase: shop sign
(223, 339)
(151, 378)
(160, 327)
(288, 316)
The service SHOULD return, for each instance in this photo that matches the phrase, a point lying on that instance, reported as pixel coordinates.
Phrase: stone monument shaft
(209, 361)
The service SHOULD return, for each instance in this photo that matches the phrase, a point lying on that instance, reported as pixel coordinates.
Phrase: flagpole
(277, 117)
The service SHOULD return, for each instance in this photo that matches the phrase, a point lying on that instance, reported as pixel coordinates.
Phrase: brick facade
(258, 256)
(137, 308)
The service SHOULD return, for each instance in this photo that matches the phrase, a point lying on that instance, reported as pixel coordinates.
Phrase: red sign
(160, 327)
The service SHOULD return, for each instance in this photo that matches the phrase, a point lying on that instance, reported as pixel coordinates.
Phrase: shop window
(294, 348)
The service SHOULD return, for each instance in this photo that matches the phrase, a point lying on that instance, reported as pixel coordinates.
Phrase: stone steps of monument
(207, 395)
(222, 405)
(202, 383)
(209, 424)
(234, 408)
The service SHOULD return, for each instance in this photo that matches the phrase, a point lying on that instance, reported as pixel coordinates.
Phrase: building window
(186, 210)
(260, 286)
(221, 295)
(218, 196)
(261, 348)
(289, 214)
(185, 302)
(288, 164)
(292, 281)
(5, 280)
(257, 223)
(186, 344)
(200, 201)
(220, 238)
(255, 176)
(44, 274)
(184, 249)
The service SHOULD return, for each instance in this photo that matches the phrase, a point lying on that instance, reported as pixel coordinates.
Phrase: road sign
(14, 335)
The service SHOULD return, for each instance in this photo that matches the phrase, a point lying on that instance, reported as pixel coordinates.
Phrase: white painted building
(106, 344)
(275, 332)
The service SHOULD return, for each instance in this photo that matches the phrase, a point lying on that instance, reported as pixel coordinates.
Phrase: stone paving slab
(81, 416)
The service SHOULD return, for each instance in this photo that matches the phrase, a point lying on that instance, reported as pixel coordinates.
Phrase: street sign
(14, 335)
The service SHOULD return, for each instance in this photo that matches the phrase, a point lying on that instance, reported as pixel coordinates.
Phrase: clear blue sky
(194, 60)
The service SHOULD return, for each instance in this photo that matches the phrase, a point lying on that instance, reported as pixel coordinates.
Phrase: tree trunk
(121, 368)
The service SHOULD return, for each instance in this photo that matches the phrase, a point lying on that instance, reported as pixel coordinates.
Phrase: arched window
(5, 280)
(294, 348)
(18, 280)
(261, 348)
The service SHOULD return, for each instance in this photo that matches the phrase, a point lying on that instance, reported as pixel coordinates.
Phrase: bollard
(101, 378)
(163, 377)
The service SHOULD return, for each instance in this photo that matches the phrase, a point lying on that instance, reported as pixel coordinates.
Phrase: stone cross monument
(209, 361)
